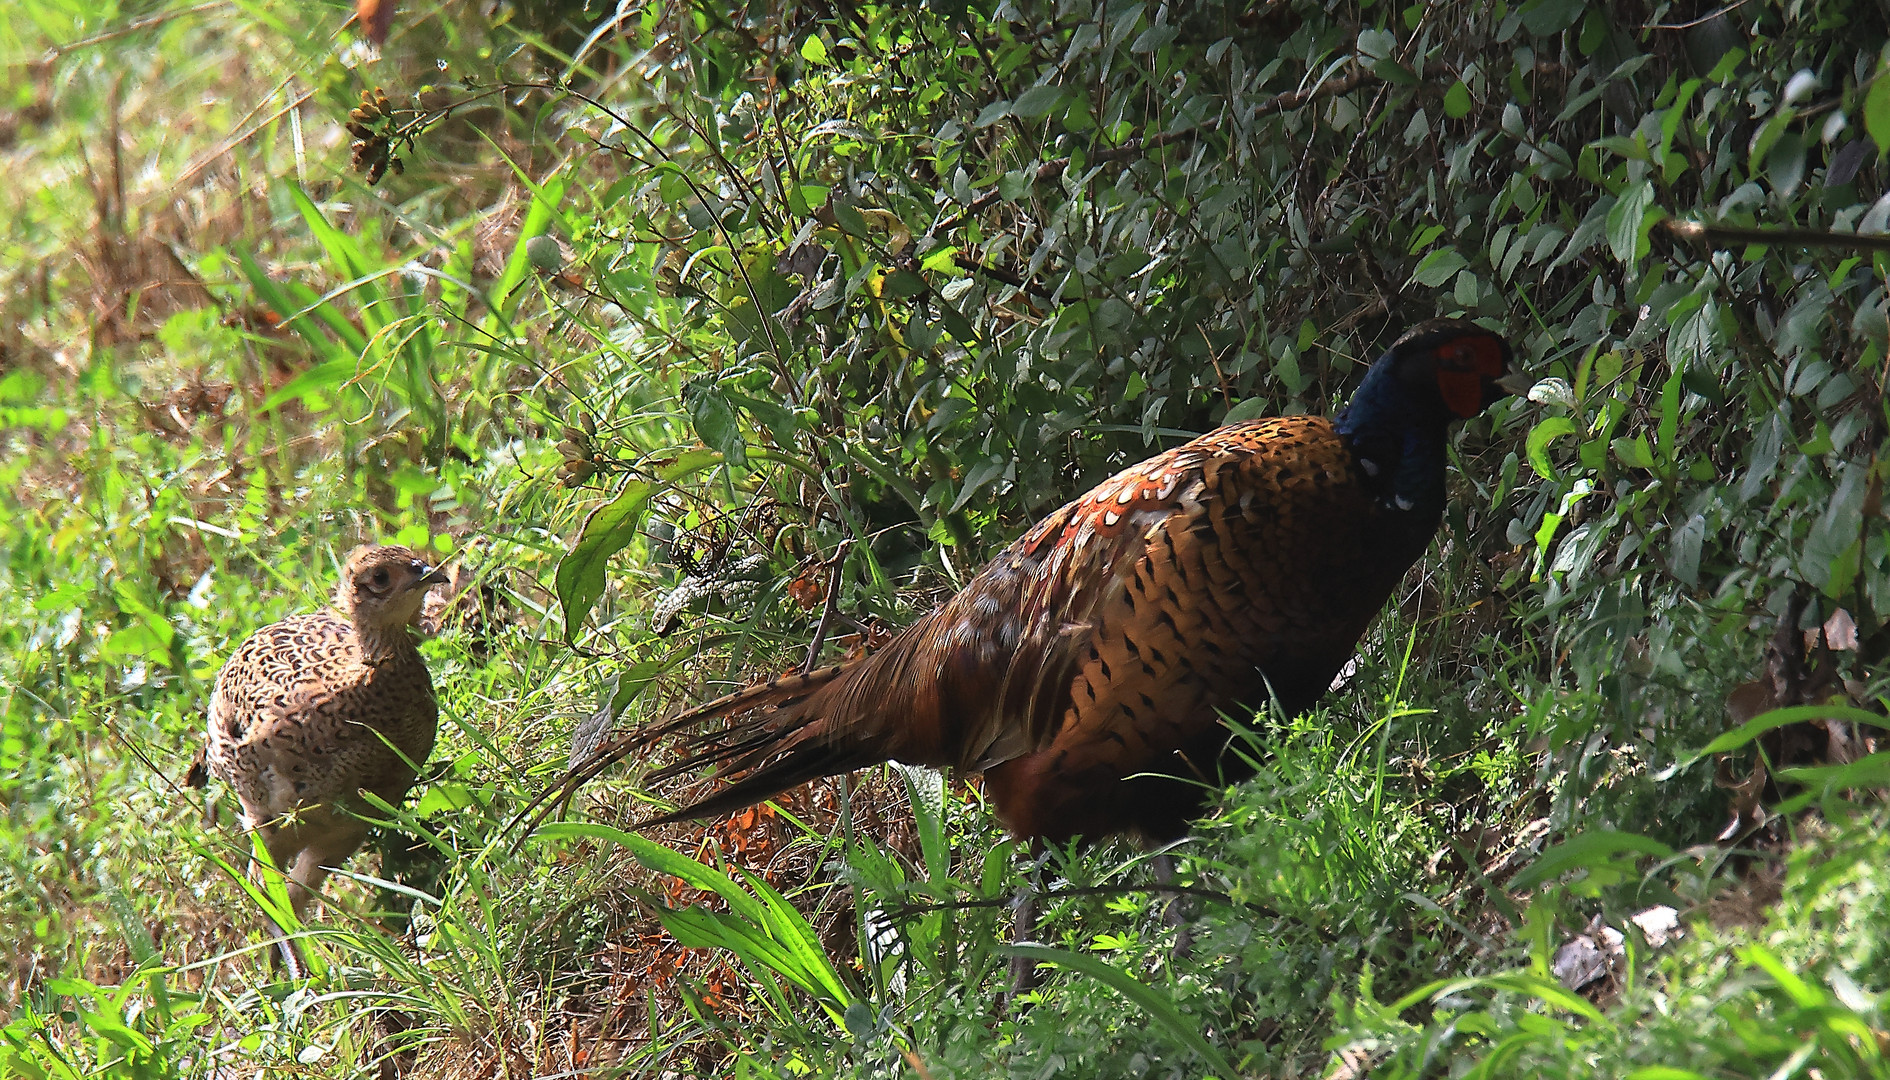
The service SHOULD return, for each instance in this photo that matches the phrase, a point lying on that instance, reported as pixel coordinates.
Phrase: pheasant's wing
(297, 717)
(990, 675)
(270, 700)
(1257, 586)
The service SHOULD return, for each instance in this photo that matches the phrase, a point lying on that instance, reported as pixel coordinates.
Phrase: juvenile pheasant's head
(382, 587)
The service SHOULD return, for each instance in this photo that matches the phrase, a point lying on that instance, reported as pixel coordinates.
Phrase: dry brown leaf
(1746, 809)
(1840, 631)
(1749, 700)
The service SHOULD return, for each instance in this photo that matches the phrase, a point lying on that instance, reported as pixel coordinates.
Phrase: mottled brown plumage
(1106, 643)
(315, 708)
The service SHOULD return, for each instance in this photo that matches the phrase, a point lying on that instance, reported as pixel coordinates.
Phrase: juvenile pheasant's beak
(428, 575)
(1516, 382)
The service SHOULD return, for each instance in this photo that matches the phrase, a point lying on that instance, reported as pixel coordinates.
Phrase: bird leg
(282, 839)
(303, 848)
(1024, 921)
(1178, 912)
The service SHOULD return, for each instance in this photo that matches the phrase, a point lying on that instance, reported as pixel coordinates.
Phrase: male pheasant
(315, 708)
(1086, 668)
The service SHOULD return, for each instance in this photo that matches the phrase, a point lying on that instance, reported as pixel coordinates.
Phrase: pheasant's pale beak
(428, 575)
(1517, 383)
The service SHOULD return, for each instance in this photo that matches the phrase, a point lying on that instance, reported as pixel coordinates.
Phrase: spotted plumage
(315, 708)
(1086, 669)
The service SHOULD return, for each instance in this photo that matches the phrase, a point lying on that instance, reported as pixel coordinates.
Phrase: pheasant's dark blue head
(1439, 371)
(1467, 366)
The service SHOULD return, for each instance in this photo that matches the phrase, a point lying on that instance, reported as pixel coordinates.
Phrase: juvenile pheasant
(317, 707)
(1104, 645)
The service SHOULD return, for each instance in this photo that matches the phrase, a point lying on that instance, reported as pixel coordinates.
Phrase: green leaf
(814, 50)
(1785, 167)
(308, 385)
(850, 219)
(1158, 1008)
(926, 790)
(518, 265)
(1544, 990)
(1377, 44)
(781, 421)
(1634, 452)
(1870, 771)
(1801, 992)
(902, 283)
(1764, 458)
(1538, 445)
(1457, 101)
(767, 933)
(1828, 555)
(1877, 110)
(1252, 408)
(714, 420)
(1424, 238)
(992, 113)
(1778, 718)
(985, 471)
(1545, 17)
(440, 798)
(609, 529)
(1588, 849)
(1630, 221)
(1684, 557)
(1037, 101)
(1395, 73)
(1669, 425)
(942, 261)
(1438, 267)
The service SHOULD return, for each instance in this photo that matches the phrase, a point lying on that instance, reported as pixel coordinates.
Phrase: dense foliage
(699, 333)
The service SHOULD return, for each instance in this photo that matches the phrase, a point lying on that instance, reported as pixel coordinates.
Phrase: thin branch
(834, 566)
(1727, 10)
(1003, 277)
(913, 911)
(132, 27)
(1727, 235)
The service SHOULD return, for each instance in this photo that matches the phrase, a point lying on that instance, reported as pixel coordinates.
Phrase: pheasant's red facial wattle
(1463, 367)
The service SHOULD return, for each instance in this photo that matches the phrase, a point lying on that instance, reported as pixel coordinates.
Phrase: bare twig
(913, 911)
(834, 566)
(1691, 23)
(1726, 235)
(131, 27)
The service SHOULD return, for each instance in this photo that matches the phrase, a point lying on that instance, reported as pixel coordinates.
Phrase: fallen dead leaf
(1589, 956)
(1840, 631)
(1659, 924)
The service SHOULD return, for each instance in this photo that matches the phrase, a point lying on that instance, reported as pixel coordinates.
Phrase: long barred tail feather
(781, 691)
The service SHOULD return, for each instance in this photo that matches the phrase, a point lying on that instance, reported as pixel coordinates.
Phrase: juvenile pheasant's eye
(380, 576)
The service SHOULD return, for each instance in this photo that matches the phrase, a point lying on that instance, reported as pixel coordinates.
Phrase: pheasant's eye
(1455, 355)
(380, 577)
(1481, 355)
